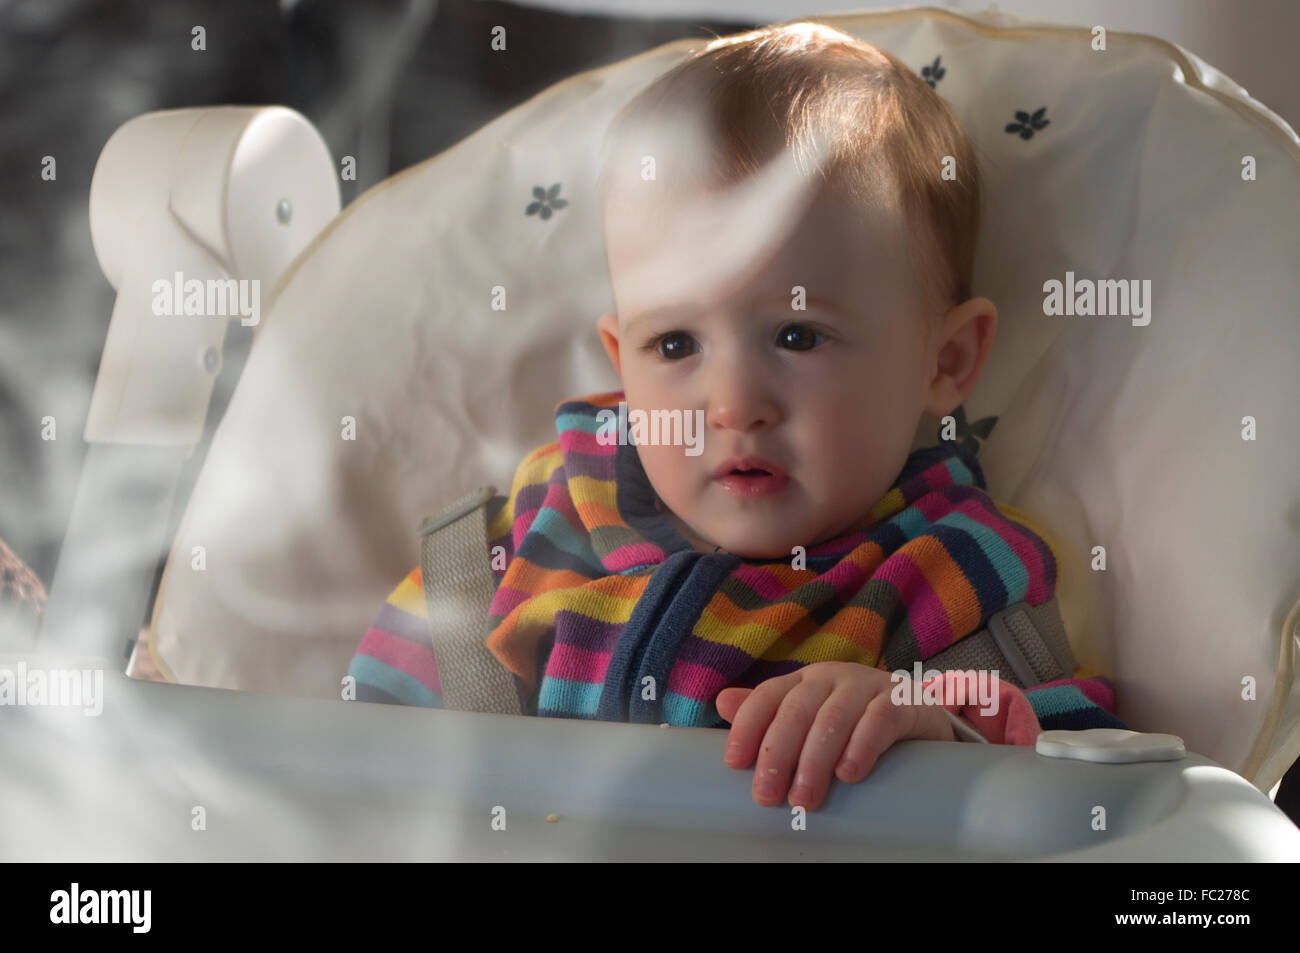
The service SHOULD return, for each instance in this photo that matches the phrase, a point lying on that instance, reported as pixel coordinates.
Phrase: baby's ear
(607, 325)
(967, 337)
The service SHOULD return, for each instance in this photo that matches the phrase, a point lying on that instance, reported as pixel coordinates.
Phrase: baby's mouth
(752, 483)
(747, 466)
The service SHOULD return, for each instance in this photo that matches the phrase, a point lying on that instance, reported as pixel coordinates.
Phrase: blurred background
(390, 82)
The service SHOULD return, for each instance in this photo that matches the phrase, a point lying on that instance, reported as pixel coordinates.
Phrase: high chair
(384, 384)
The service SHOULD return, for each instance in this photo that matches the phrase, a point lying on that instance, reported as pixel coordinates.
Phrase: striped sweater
(603, 611)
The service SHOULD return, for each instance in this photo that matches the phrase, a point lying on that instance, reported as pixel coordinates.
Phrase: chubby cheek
(845, 460)
(676, 477)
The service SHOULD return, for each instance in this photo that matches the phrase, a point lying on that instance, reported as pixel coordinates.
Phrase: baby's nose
(741, 413)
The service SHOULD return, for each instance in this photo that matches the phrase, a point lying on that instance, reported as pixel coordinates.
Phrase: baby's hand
(826, 718)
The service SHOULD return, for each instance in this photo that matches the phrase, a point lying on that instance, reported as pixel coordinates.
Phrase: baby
(790, 224)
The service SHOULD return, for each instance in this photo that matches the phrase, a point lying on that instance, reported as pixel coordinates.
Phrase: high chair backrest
(418, 347)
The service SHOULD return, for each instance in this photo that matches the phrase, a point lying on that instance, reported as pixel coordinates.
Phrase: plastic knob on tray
(1110, 745)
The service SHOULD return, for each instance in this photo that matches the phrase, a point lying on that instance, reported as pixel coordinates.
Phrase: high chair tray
(174, 773)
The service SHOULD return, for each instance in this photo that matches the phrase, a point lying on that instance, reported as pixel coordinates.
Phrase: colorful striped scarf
(603, 611)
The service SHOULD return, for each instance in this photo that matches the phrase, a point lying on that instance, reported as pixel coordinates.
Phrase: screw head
(283, 211)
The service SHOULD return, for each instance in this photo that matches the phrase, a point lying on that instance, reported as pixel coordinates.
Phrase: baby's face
(831, 395)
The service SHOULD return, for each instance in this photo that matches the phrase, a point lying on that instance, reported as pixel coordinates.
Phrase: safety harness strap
(458, 591)
(1025, 644)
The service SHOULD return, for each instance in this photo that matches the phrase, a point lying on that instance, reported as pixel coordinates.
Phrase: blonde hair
(845, 108)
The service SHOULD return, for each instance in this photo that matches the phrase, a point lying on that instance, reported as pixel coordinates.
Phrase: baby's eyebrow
(811, 301)
(664, 311)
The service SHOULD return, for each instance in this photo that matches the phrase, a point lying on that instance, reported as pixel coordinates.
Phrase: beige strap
(1025, 644)
(458, 588)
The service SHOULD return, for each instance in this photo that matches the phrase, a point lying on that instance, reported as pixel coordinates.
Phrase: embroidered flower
(970, 434)
(933, 73)
(546, 201)
(1026, 124)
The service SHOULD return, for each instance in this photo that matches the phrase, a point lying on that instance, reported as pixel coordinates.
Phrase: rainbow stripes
(603, 611)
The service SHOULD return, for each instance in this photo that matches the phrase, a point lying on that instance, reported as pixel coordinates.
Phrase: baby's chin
(739, 542)
(768, 548)
(785, 543)
(761, 553)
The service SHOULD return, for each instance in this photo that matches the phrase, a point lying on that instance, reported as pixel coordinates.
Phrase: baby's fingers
(824, 746)
(750, 722)
(729, 701)
(883, 723)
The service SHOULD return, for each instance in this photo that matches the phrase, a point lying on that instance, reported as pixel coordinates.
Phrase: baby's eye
(678, 345)
(674, 346)
(791, 335)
